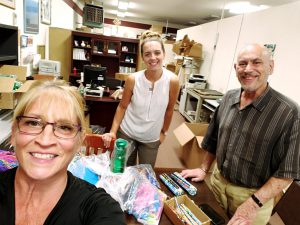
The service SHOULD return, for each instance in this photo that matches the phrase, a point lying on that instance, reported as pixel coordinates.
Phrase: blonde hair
(54, 91)
(151, 36)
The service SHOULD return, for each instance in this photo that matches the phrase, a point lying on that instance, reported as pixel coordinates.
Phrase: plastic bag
(136, 189)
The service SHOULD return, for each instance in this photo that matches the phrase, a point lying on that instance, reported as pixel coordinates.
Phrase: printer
(49, 67)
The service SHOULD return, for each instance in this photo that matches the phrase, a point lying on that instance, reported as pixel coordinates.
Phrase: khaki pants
(230, 196)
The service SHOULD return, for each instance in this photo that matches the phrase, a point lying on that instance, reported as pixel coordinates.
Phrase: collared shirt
(257, 142)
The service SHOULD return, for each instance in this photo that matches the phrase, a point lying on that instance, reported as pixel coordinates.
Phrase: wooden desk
(101, 110)
(204, 195)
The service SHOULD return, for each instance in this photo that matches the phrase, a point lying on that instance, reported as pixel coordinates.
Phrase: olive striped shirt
(257, 142)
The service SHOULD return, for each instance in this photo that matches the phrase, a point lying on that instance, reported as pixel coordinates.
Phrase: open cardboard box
(169, 205)
(19, 71)
(8, 97)
(189, 136)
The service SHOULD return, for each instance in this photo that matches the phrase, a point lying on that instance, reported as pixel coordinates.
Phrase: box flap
(183, 134)
(19, 71)
(199, 140)
(198, 129)
(26, 86)
(6, 84)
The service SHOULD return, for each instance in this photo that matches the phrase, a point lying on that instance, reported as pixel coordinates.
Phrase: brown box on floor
(189, 136)
(169, 205)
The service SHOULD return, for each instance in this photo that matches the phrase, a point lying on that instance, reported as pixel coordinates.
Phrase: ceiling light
(123, 5)
(244, 7)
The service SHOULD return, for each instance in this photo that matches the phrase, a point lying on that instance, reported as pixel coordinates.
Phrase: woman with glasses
(47, 131)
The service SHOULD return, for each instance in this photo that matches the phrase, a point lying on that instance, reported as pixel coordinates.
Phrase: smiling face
(153, 55)
(253, 68)
(44, 156)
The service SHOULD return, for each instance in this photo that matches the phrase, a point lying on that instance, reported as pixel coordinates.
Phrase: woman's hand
(162, 136)
(197, 174)
(107, 137)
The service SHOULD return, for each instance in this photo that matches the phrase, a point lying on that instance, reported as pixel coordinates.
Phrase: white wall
(277, 25)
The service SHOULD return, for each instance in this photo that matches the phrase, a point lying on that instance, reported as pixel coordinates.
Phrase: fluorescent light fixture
(244, 7)
(123, 5)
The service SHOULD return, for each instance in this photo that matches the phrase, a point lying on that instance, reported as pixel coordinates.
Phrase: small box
(169, 205)
(122, 76)
(189, 136)
(8, 97)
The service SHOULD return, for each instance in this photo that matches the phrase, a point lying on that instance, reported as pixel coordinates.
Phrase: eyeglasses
(34, 126)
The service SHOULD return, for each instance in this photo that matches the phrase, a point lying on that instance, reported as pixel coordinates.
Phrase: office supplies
(175, 189)
(192, 190)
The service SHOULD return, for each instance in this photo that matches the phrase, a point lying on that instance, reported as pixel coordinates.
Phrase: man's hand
(245, 213)
(197, 174)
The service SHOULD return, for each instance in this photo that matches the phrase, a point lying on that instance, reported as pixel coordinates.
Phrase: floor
(167, 157)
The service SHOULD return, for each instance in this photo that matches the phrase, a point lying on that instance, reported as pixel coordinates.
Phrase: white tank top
(145, 113)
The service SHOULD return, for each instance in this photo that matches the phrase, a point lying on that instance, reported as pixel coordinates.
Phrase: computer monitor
(94, 75)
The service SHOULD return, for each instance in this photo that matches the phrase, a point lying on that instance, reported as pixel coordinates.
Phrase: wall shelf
(105, 51)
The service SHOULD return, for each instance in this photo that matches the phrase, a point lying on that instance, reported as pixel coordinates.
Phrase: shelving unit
(8, 44)
(114, 53)
(198, 105)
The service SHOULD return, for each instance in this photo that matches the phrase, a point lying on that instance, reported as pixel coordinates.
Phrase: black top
(80, 204)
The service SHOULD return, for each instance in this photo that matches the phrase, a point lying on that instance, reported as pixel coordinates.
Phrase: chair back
(94, 142)
(287, 207)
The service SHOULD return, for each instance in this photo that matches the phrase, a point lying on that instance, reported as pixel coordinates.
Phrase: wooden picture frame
(46, 11)
(31, 16)
(9, 3)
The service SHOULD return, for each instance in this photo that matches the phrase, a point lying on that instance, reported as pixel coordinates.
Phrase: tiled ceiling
(180, 12)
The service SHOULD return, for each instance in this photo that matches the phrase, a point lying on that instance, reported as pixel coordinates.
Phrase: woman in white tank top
(144, 114)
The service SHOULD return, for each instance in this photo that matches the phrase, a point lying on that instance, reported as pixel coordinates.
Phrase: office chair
(287, 207)
(95, 142)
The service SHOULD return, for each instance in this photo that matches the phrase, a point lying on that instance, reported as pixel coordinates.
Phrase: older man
(255, 137)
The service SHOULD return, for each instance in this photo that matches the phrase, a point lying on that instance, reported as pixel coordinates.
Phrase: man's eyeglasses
(34, 126)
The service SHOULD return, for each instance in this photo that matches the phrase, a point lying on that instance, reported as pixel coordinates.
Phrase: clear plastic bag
(137, 193)
(136, 189)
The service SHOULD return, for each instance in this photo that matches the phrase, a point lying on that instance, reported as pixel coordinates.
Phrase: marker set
(176, 187)
(176, 190)
(187, 186)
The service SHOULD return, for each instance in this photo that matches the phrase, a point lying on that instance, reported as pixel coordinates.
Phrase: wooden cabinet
(8, 45)
(115, 53)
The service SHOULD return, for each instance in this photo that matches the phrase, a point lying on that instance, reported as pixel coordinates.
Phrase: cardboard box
(195, 50)
(169, 205)
(189, 136)
(9, 97)
(122, 76)
(19, 71)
